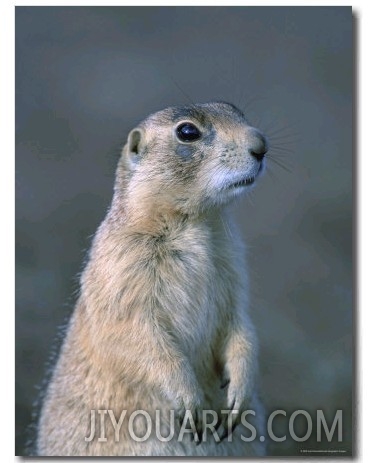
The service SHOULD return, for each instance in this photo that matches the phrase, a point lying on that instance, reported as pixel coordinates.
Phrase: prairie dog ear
(133, 150)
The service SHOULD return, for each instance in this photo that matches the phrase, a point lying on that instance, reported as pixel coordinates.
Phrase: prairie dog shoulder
(161, 322)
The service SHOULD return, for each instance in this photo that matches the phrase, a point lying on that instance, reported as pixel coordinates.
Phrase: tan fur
(161, 320)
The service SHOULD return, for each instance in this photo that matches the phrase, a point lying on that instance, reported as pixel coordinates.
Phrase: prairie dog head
(191, 158)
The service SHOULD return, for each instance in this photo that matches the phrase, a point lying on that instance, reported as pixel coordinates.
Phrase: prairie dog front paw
(188, 400)
(238, 385)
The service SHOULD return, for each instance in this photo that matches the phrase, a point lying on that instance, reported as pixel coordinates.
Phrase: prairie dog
(161, 322)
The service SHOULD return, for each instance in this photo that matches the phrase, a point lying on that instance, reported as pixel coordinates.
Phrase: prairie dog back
(161, 322)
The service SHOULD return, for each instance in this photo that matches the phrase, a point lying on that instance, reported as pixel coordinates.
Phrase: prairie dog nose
(257, 144)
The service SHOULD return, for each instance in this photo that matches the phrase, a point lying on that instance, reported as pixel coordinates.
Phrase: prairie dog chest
(197, 277)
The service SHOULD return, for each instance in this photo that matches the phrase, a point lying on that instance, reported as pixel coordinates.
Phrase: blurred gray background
(86, 75)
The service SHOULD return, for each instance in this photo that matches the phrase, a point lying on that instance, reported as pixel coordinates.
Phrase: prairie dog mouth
(246, 181)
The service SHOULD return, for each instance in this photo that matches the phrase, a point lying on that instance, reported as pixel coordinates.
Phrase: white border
(7, 204)
(7, 226)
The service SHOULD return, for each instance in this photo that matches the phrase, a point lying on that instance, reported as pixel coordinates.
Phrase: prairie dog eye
(188, 132)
